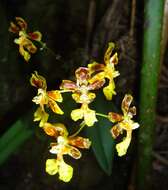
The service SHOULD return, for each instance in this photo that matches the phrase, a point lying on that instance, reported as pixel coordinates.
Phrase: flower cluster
(83, 90)
(26, 46)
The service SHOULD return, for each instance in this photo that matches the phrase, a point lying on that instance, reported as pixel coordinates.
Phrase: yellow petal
(108, 52)
(109, 90)
(25, 46)
(41, 116)
(77, 114)
(55, 95)
(65, 172)
(76, 97)
(55, 129)
(74, 152)
(98, 76)
(54, 107)
(52, 166)
(94, 67)
(41, 97)
(123, 146)
(90, 117)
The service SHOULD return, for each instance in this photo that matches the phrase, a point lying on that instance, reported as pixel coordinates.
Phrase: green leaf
(15, 136)
(102, 142)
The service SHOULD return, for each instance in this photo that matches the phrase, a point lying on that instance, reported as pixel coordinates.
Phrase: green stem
(44, 46)
(102, 115)
(79, 130)
(153, 16)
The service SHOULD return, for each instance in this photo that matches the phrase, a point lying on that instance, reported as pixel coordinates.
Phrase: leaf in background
(15, 136)
(103, 144)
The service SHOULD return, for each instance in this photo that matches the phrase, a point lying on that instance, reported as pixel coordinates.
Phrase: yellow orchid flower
(124, 122)
(26, 46)
(106, 70)
(44, 97)
(81, 94)
(65, 145)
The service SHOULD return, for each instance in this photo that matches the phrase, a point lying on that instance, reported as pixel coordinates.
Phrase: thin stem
(79, 130)
(44, 46)
(102, 115)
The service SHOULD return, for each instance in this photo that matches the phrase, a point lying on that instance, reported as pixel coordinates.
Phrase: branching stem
(82, 125)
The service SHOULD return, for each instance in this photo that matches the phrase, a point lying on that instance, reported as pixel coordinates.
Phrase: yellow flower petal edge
(123, 146)
(109, 90)
(77, 114)
(65, 172)
(51, 166)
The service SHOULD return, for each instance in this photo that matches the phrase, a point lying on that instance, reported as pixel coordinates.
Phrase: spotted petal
(126, 103)
(55, 95)
(38, 81)
(68, 85)
(20, 25)
(114, 59)
(55, 129)
(82, 75)
(108, 52)
(74, 152)
(95, 67)
(54, 107)
(114, 117)
(80, 142)
(13, 28)
(37, 36)
(116, 131)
